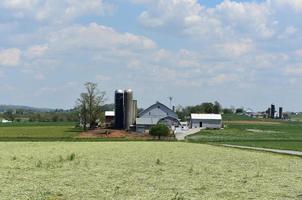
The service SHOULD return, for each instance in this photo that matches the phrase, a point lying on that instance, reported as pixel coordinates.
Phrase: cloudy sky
(241, 53)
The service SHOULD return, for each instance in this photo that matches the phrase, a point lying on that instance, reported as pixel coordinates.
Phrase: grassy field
(144, 170)
(296, 118)
(25, 131)
(278, 135)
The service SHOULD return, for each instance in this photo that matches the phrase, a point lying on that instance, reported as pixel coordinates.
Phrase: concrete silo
(134, 112)
(273, 110)
(280, 113)
(119, 109)
(128, 109)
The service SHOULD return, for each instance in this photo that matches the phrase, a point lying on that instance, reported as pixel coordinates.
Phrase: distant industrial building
(213, 121)
(155, 114)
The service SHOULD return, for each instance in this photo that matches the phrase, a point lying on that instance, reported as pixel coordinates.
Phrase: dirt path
(109, 133)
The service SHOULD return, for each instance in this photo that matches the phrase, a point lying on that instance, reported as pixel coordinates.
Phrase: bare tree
(90, 104)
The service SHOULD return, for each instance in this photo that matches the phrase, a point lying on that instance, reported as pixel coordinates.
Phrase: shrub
(159, 130)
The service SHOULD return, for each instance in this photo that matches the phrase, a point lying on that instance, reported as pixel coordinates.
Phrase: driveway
(181, 135)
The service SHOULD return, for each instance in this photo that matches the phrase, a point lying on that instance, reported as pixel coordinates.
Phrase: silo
(134, 113)
(280, 112)
(128, 109)
(119, 109)
(273, 110)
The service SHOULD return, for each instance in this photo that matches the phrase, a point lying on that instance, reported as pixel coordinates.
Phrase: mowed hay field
(144, 170)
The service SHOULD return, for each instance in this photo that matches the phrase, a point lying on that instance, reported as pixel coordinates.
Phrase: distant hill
(4, 108)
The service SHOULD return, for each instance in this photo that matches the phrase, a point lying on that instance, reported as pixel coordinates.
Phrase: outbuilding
(109, 119)
(213, 121)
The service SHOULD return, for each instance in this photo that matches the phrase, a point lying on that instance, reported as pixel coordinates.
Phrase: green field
(296, 118)
(26, 131)
(144, 170)
(285, 135)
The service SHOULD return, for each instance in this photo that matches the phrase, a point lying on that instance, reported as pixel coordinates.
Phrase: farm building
(205, 121)
(109, 119)
(4, 121)
(157, 113)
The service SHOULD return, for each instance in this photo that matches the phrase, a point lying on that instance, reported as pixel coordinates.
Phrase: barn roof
(158, 104)
(109, 113)
(206, 116)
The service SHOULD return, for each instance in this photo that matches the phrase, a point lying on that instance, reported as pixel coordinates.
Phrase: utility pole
(170, 99)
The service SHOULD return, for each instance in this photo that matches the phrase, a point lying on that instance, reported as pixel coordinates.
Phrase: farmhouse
(157, 113)
(205, 121)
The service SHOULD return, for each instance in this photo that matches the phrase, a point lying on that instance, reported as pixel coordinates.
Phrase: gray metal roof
(147, 121)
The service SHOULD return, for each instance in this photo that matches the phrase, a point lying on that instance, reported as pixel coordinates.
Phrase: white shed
(206, 121)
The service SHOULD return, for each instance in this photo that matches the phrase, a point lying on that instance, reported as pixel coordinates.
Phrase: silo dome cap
(119, 91)
(128, 90)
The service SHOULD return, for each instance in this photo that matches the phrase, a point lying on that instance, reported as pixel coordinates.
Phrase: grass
(28, 131)
(144, 170)
(285, 135)
(31, 124)
(233, 117)
(296, 118)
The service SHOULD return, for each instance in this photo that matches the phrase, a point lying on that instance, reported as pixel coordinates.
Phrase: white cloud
(228, 20)
(56, 10)
(39, 76)
(36, 51)
(102, 78)
(285, 4)
(98, 37)
(293, 70)
(236, 49)
(10, 57)
(223, 78)
(167, 11)
(19, 4)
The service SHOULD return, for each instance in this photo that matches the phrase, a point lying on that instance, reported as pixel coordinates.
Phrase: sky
(240, 53)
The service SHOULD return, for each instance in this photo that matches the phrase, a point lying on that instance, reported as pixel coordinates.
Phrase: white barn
(155, 114)
(213, 121)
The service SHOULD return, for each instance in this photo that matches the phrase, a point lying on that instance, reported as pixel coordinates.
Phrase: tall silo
(273, 110)
(280, 113)
(134, 112)
(128, 106)
(119, 109)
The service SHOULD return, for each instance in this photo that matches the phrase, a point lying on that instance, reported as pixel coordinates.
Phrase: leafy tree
(227, 111)
(207, 107)
(217, 107)
(159, 130)
(9, 115)
(239, 110)
(90, 104)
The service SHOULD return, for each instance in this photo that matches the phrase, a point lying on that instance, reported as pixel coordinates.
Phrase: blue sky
(241, 53)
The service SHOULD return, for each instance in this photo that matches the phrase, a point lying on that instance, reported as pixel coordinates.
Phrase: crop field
(278, 135)
(144, 170)
(25, 131)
